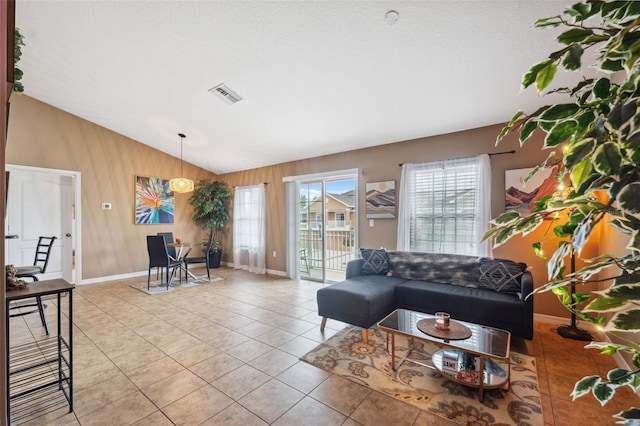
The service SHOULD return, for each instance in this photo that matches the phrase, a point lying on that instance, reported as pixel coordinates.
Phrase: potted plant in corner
(210, 201)
(598, 120)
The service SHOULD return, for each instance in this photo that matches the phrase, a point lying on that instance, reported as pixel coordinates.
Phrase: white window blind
(445, 206)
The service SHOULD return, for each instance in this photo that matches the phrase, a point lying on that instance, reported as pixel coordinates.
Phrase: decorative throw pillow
(375, 262)
(501, 275)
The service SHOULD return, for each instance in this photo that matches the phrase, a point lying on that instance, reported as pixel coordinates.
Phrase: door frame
(323, 229)
(77, 210)
(293, 211)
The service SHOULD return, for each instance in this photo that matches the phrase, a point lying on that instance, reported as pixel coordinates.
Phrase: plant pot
(214, 258)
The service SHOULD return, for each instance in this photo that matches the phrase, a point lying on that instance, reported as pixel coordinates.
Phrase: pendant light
(181, 184)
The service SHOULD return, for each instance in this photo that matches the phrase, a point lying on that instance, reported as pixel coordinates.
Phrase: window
(339, 219)
(444, 206)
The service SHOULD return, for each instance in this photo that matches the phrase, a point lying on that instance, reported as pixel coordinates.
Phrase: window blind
(446, 205)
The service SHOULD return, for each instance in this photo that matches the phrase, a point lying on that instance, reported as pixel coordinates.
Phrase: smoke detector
(391, 17)
(226, 94)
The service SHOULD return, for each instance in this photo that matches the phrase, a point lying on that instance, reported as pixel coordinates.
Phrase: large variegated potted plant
(598, 123)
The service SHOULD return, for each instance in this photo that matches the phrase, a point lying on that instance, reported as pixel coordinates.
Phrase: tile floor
(227, 353)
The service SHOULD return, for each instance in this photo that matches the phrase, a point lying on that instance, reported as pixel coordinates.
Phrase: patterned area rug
(158, 288)
(345, 355)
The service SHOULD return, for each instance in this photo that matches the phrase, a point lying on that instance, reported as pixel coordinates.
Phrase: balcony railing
(341, 225)
(340, 249)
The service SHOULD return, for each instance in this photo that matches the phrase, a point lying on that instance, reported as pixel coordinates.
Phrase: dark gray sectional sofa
(485, 291)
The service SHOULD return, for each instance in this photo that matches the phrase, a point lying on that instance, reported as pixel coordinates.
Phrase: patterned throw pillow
(501, 275)
(375, 262)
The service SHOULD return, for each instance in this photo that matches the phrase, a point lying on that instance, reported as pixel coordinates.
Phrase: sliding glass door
(327, 227)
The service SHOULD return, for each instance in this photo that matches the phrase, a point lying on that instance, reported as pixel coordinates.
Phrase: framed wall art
(155, 203)
(381, 200)
(520, 196)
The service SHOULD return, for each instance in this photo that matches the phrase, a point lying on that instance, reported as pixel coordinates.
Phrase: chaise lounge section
(491, 292)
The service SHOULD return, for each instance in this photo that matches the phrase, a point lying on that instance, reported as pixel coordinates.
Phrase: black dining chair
(168, 239)
(203, 259)
(159, 258)
(40, 263)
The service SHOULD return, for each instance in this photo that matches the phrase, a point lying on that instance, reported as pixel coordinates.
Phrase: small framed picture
(381, 200)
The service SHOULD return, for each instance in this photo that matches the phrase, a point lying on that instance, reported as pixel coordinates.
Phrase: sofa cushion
(442, 268)
(475, 305)
(501, 275)
(360, 301)
(375, 262)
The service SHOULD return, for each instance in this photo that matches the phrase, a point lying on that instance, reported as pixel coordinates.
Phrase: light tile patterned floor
(226, 353)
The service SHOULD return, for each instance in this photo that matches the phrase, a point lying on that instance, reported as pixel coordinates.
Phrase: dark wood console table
(40, 373)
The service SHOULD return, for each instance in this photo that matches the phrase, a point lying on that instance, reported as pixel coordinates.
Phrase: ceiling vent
(226, 94)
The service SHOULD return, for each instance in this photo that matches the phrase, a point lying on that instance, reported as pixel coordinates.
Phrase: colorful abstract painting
(154, 201)
(381, 200)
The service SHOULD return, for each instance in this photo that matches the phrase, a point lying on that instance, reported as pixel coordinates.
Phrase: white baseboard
(278, 273)
(113, 278)
(144, 273)
(550, 319)
(268, 271)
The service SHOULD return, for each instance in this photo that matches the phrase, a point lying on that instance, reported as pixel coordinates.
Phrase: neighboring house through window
(445, 206)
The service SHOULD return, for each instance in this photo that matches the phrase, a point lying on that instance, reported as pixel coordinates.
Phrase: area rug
(370, 365)
(158, 288)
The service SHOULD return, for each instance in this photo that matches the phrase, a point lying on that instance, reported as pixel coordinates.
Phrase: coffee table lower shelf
(494, 375)
(466, 369)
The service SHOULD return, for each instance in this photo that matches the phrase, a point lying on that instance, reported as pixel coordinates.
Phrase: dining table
(183, 249)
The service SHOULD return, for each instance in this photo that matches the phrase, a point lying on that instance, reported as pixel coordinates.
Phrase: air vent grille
(225, 93)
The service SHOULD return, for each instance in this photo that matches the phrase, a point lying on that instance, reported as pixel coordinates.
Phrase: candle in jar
(442, 320)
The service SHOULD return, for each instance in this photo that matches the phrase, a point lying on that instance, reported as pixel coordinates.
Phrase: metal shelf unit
(40, 373)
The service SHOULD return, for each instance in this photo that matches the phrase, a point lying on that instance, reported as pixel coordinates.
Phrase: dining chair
(40, 263)
(203, 259)
(168, 239)
(159, 258)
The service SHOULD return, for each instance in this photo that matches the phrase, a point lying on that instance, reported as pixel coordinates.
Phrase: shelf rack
(40, 373)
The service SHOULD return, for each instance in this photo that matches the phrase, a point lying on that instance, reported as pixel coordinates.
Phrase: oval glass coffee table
(463, 361)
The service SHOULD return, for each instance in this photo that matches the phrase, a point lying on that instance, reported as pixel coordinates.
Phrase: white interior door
(40, 204)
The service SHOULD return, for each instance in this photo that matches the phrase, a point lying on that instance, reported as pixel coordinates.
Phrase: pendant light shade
(181, 184)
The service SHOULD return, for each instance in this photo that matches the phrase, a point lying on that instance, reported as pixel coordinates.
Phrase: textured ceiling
(316, 77)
